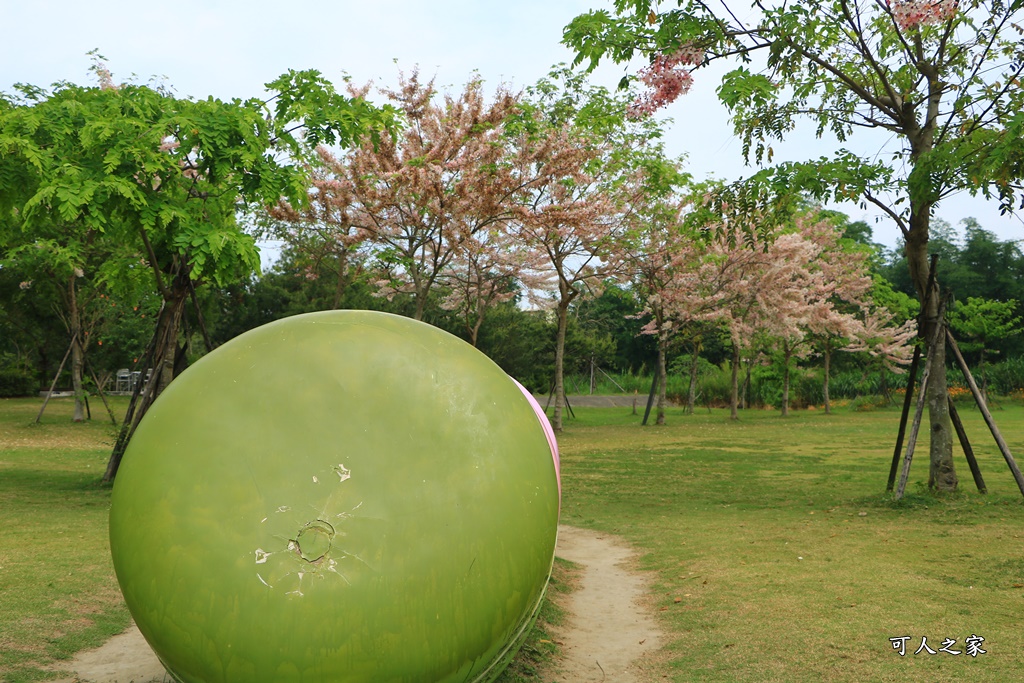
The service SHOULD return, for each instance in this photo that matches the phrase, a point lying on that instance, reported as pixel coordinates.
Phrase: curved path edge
(609, 629)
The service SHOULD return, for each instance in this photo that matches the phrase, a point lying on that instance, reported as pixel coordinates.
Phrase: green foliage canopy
(948, 89)
(135, 165)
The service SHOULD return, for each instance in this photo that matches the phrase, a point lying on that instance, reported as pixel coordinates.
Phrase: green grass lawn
(58, 593)
(789, 562)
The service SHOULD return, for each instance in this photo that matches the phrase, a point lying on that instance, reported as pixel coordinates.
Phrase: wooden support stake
(551, 394)
(933, 341)
(1003, 448)
(650, 398)
(569, 407)
(56, 377)
(912, 441)
(908, 398)
(103, 396)
(961, 434)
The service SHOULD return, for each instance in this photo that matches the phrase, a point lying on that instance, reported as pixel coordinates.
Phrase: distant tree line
(547, 228)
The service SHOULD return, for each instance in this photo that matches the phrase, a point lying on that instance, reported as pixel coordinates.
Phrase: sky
(230, 48)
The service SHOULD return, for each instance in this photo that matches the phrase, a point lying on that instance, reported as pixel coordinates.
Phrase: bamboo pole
(1003, 448)
(612, 379)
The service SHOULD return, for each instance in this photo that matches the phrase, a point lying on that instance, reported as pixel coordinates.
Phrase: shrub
(1006, 377)
(863, 404)
(715, 387)
(808, 389)
(15, 378)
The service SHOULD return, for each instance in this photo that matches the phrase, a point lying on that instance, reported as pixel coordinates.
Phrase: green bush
(715, 387)
(863, 404)
(807, 389)
(15, 379)
(1006, 377)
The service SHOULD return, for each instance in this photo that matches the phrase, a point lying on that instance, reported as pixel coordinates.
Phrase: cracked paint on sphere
(337, 497)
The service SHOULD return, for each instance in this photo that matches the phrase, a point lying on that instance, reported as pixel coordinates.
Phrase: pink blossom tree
(568, 222)
(653, 246)
(489, 268)
(738, 258)
(941, 79)
(836, 282)
(578, 160)
(648, 252)
(441, 182)
(326, 232)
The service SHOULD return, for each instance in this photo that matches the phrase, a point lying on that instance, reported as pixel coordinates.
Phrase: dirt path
(607, 630)
(126, 658)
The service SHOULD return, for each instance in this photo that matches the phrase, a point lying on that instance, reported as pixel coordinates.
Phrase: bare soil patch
(125, 658)
(611, 630)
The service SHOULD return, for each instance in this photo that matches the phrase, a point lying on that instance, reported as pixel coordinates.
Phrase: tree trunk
(662, 344)
(161, 358)
(745, 389)
(474, 330)
(828, 370)
(77, 360)
(942, 473)
(734, 397)
(563, 322)
(691, 396)
(339, 286)
(787, 353)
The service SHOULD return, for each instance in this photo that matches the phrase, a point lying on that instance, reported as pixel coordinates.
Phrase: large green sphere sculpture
(337, 497)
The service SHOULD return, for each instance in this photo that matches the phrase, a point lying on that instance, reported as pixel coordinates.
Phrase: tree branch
(900, 222)
(853, 85)
(869, 57)
(154, 265)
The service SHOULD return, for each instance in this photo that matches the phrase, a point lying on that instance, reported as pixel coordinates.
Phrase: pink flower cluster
(911, 13)
(666, 79)
(106, 78)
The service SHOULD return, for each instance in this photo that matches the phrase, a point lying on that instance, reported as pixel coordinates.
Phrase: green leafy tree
(160, 181)
(942, 78)
(981, 322)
